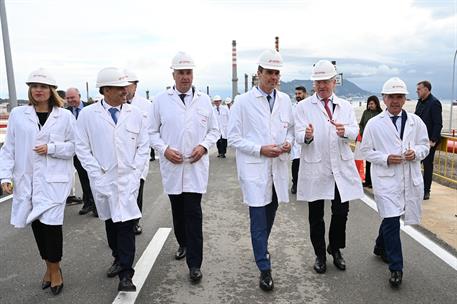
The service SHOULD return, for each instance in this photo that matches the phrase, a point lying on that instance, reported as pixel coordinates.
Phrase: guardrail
(446, 159)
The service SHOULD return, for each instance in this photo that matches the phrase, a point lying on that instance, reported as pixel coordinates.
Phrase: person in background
(222, 113)
(395, 142)
(325, 125)
(113, 146)
(184, 128)
(37, 157)
(228, 102)
(146, 107)
(75, 105)
(300, 94)
(429, 109)
(373, 109)
(261, 130)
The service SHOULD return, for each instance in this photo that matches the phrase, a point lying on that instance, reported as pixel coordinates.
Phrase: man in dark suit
(428, 108)
(75, 105)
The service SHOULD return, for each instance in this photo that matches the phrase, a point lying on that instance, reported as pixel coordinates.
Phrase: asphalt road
(229, 271)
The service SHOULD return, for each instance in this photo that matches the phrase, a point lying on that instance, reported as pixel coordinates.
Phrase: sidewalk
(439, 214)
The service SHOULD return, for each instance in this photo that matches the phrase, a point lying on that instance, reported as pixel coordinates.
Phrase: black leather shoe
(338, 260)
(293, 190)
(195, 275)
(126, 285)
(380, 253)
(137, 229)
(57, 289)
(395, 278)
(86, 209)
(426, 196)
(223, 156)
(114, 270)
(266, 281)
(320, 265)
(45, 284)
(180, 253)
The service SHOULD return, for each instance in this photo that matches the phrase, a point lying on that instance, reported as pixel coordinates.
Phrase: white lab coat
(183, 128)
(146, 107)
(398, 189)
(222, 119)
(42, 183)
(328, 158)
(296, 148)
(251, 126)
(114, 156)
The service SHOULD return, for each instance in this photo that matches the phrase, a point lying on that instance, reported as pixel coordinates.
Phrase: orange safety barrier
(359, 162)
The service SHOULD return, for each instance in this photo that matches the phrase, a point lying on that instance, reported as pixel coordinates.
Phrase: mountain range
(347, 90)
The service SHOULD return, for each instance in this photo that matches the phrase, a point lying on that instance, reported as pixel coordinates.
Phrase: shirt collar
(106, 106)
(272, 94)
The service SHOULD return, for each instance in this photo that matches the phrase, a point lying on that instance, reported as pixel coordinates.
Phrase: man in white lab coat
(184, 128)
(222, 113)
(112, 145)
(325, 125)
(395, 142)
(261, 130)
(146, 107)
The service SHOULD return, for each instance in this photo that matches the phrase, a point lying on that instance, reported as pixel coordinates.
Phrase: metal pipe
(234, 71)
(452, 93)
(8, 58)
(246, 82)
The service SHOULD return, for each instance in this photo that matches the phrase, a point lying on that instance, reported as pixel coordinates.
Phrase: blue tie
(77, 112)
(270, 102)
(394, 121)
(113, 112)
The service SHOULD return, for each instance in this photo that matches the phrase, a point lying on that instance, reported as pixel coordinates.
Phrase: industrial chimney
(234, 76)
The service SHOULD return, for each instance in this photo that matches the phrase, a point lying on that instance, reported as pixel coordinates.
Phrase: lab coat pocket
(203, 117)
(385, 172)
(417, 180)
(345, 151)
(133, 129)
(310, 157)
(252, 168)
(58, 170)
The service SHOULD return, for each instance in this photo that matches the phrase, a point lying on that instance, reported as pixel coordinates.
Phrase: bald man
(75, 105)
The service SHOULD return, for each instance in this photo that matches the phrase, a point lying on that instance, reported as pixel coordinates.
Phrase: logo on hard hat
(274, 61)
(39, 75)
(184, 61)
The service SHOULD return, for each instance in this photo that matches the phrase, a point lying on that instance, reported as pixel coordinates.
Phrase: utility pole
(452, 94)
(8, 58)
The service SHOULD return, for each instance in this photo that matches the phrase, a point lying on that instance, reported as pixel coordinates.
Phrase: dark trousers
(187, 223)
(222, 146)
(389, 240)
(88, 199)
(49, 240)
(295, 166)
(152, 154)
(262, 219)
(337, 231)
(121, 240)
(139, 199)
(428, 169)
(367, 173)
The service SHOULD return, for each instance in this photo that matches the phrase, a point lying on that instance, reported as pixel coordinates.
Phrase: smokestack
(246, 82)
(277, 44)
(234, 76)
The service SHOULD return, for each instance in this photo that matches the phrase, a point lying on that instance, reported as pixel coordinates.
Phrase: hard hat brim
(42, 82)
(323, 77)
(117, 84)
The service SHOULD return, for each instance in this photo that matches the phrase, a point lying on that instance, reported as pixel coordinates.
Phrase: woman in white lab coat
(38, 158)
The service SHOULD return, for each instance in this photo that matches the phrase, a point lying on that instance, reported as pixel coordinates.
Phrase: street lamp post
(452, 93)
(8, 59)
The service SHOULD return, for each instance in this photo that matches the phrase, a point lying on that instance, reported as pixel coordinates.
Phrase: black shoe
(180, 253)
(137, 229)
(74, 200)
(396, 278)
(57, 289)
(152, 159)
(218, 155)
(195, 275)
(293, 190)
(426, 196)
(86, 209)
(266, 281)
(380, 253)
(126, 285)
(338, 260)
(114, 270)
(95, 212)
(45, 284)
(223, 156)
(320, 265)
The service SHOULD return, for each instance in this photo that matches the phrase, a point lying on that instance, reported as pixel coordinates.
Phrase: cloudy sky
(370, 40)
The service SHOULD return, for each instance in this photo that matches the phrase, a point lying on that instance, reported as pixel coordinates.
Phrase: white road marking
(3, 199)
(434, 248)
(144, 266)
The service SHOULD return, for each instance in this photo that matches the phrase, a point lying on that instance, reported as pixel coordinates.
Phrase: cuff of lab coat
(257, 150)
(51, 149)
(163, 149)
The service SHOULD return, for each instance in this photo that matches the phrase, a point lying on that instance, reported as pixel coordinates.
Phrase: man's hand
(41, 150)
(432, 143)
(285, 147)
(393, 159)
(197, 153)
(309, 132)
(340, 129)
(270, 151)
(409, 155)
(173, 156)
(7, 188)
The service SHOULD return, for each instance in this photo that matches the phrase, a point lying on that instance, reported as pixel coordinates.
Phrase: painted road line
(3, 199)
(144, 266)
(437, 250)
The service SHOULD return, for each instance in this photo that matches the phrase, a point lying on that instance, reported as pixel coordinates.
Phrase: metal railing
(446, 159)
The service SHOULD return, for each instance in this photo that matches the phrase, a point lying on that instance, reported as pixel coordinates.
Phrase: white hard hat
(131, 76)
(323, 70)
(217, 97)
(228, 100)
(41, 76)
(182, 61)
(112, 77)
(394, 86)
(270, 59)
